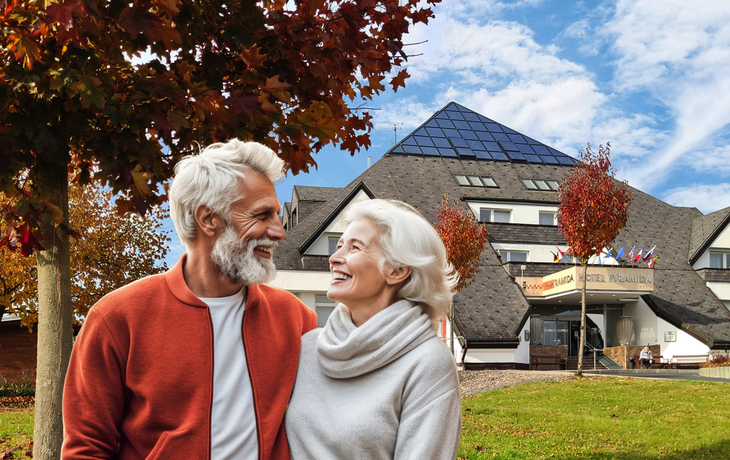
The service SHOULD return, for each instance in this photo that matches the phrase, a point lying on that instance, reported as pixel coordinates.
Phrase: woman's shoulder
(309, 339)
(432, 357)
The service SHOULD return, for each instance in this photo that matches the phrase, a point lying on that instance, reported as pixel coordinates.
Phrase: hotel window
(720, 260)
(324, 307)
(513, 256)
(493, 215)
(475, 181)
(547, 218)
(333, 240)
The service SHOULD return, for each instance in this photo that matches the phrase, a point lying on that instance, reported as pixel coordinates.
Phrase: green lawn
(597, 418)
(601, 418)
(16, 432)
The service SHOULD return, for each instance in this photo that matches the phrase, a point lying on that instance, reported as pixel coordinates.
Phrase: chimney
(370, 162)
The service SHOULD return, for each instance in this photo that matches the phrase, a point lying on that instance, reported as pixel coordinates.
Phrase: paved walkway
(478, 381)
(674, 374)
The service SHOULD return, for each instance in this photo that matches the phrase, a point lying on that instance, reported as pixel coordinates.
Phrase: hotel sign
(597, 279)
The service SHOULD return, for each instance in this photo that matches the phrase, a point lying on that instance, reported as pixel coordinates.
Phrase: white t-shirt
(233, 417)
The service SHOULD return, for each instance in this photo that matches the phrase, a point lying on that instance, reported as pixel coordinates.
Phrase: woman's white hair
(409, 240)
(211, 177)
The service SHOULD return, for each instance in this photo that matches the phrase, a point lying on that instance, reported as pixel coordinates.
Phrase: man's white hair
(409, 240)
(211, 177)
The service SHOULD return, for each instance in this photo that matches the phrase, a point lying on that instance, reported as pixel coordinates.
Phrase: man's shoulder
(138, 292)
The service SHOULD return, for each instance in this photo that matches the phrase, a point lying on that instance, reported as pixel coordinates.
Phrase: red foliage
(464, 238)
(119, 91)
(593, 205)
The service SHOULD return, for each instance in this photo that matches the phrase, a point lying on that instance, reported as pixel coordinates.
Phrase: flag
(620, 252)
(638, 256)
(608, 254)
(652, 262)
(555, 257)
(560, 253)
(598, 256)
(649, 254)
(630, 257)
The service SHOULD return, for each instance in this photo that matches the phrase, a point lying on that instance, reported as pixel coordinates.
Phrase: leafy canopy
(464, 238)
(114, 251)
(593, 205)
(119, 91)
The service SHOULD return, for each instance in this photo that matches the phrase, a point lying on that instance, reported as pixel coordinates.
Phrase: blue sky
(652, 77)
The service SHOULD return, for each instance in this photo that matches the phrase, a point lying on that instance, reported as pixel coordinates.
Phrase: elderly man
(646, 358)
(198, 362)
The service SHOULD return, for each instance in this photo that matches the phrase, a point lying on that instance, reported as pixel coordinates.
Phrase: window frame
(491, 215)
(330, 240)
(475, 180)
(319, 302)
(724, 259)
(506, 255)
(553, 213)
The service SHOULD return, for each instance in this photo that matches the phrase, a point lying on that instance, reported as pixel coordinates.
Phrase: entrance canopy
(604, 285)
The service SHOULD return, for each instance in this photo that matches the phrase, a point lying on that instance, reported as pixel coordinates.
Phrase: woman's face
(356, 280)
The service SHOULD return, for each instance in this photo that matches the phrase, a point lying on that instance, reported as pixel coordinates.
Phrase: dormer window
(719, 259)
(470, 180)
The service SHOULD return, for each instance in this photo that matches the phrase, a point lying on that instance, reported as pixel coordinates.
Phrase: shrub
(11, 389)
(717, 360)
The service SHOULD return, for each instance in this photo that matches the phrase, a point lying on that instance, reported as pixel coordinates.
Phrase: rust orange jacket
(139, 385)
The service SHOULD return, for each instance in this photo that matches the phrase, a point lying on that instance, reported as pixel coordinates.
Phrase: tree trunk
(582, 340)
(55, 332)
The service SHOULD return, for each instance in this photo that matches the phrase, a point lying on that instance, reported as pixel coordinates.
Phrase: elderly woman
(376, 382)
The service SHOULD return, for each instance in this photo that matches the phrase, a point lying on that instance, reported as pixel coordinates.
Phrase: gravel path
(478, 381)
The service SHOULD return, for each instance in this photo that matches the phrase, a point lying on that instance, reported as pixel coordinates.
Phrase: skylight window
(461, 180)
(540, 184)
(475, 181)
(529, 184)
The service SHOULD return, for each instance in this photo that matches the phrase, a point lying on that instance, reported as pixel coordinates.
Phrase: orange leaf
(252, 57)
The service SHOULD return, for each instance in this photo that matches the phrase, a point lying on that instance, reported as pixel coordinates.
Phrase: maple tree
(593, 208)
(464, 238)
(115, 250)
(116, 92)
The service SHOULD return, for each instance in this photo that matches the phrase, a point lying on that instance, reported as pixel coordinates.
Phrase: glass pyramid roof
(457, 132)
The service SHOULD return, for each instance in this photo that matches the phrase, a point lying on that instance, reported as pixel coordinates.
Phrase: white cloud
(706, 198)
(491, 54)
(680, 53)
(712, 160)
(631, 137)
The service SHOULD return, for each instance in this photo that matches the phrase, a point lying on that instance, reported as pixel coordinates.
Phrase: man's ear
(396, 275)
(208, 222)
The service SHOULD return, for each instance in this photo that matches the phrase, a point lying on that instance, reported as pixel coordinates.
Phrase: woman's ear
(208, 222)
(397, 275)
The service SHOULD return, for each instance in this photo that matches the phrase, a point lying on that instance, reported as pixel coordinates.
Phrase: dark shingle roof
(704, 230)
(493, 308)
(307, 193)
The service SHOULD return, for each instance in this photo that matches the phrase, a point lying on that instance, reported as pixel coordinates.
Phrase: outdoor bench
(552, 360)
(688, 359)
(659, 362)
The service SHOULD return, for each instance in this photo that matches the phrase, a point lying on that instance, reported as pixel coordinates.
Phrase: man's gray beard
(235, 259)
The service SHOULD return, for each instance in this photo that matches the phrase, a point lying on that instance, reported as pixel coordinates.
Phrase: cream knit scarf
(345, 350)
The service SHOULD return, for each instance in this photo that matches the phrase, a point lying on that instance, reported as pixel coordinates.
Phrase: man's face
(243, 252)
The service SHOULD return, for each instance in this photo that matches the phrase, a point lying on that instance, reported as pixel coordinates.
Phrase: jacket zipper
(253, 389)
(212, 383)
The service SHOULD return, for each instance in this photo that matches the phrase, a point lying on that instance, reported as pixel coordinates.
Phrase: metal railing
(595, 351)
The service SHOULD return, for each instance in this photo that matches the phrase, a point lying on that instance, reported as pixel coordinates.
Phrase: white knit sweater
(385, 390)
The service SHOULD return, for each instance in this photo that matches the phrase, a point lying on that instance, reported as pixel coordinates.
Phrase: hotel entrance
(558, 331)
